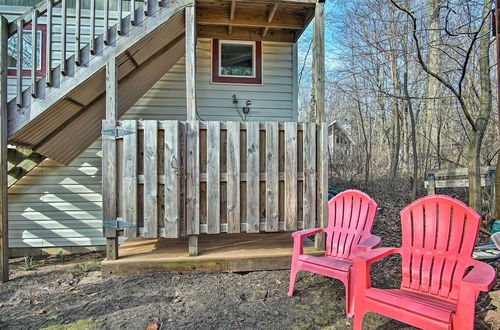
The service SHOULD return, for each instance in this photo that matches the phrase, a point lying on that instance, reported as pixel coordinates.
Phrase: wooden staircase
(59, 114)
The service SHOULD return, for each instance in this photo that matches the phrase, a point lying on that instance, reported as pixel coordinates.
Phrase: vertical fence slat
(322, 189)
(309, 175)
(213, 177)
(63, 37)
(272, 176)
(34, 53)
(77, 31)
(92, 26)
(233, 177)
(253, 178)
(106, 22)
(48, 47)
(192, 178)
(130, 177)
(172, 179)
(290, 176)
(19, 64)
(150, 179)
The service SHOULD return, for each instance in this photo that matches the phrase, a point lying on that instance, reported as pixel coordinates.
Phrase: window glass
(12, 51)
(237, 59)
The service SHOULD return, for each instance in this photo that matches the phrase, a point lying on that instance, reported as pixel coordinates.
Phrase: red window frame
(236, 80)
(43, 67)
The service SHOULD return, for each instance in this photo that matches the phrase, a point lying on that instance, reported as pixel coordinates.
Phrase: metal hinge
(116, 132)
(118, 224)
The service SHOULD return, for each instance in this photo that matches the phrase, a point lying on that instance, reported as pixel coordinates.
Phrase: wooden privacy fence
(177, 178)
(458, 178)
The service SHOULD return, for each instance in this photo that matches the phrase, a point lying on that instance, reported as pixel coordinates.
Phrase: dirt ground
(68, 292)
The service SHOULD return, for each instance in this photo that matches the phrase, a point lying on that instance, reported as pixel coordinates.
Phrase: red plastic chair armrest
(298, 239)
(371, 256)
(306, 232)
(482, 277)
(362, 262)
(368, 244)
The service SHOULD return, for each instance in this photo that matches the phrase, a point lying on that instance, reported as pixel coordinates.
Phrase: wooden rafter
(249, 18)
(220, 32)
(232, 10)
(231, 16)
(270, 17)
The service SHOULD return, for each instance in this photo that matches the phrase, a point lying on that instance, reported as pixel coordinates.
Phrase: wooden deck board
(217, 253)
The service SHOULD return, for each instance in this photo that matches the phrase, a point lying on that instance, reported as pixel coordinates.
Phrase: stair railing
(43, 38)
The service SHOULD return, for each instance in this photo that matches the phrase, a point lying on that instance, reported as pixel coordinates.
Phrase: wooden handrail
(19, 64)
(28, 15)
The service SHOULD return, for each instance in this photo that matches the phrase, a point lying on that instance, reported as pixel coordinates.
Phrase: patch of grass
(326, 308)
(85, 268)
(29, 263)
(85, 324)
(79, 270)
(301, 307)
(60, 256)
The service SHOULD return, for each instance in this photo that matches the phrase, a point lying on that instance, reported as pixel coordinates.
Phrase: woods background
(413, 82)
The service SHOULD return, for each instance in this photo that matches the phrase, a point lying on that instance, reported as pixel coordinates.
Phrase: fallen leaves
(35, 302)
(40, 311)
(177, 299)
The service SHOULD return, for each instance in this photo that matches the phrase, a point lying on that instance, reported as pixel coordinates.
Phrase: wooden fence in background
(458, 178)
(179, 178)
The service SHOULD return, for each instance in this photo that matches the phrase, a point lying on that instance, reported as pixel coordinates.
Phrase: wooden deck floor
(217, 253)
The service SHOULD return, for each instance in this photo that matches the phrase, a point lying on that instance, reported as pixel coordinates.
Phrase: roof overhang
(265, 20)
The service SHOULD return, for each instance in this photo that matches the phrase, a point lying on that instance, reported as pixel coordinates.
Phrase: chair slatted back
(439, 235)
(350, 220)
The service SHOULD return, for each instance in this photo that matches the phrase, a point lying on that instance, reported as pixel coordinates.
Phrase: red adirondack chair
(350, 221)
(437, 292)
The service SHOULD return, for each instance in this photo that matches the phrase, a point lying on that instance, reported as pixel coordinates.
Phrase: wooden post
(319, 103)
(34, 41)
(191, 61)
(4, 232)
(48, 48)
(19, 64)
(109, 159)
(431, 184)
(78, 32)
(193, 182)
(106, 22)
(492, 178)
(63, 37)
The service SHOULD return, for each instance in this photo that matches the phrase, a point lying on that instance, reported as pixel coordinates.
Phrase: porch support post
(318, 75)
(190, 58)
(4, 232)
(109, 159)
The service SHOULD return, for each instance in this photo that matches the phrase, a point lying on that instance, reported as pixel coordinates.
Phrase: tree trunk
(432, 87)
(485, 100)
(474, 166)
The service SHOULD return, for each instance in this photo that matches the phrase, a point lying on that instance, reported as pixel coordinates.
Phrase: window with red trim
(41, 65)
(237, 62)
